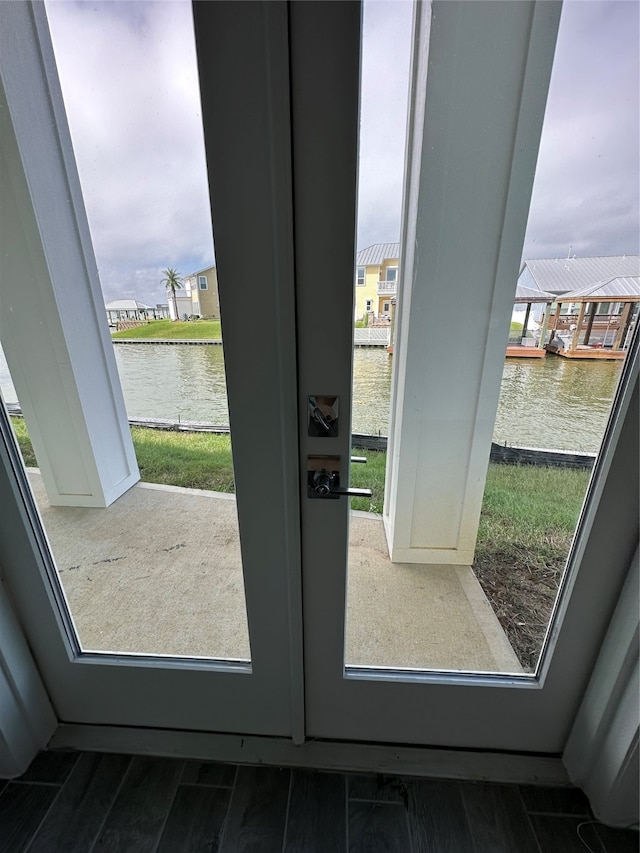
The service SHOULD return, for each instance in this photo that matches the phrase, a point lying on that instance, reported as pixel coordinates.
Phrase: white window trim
(387, 269)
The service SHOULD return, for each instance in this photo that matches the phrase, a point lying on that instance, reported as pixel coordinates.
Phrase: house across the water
(198, 296)
(582, 307)
(128, 309)
(376, 281)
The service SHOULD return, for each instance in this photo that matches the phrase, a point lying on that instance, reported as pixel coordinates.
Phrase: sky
(134, 116)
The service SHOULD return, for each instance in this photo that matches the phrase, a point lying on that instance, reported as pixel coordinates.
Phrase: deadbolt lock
(323, 416)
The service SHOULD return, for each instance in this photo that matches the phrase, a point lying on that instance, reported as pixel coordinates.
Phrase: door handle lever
(354, 493)
(326, 484)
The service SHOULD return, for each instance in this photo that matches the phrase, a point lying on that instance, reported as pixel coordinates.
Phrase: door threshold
(422, 761)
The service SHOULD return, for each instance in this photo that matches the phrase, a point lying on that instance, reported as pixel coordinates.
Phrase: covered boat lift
(526, 347)
(587, 330)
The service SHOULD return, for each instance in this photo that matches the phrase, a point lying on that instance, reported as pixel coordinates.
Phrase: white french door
(244, 73)
(279, 87)
(377, 703)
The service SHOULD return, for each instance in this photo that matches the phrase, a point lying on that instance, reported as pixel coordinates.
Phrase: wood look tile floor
(70, 802)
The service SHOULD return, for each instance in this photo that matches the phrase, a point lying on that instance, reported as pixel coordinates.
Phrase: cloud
(129, 79)
(130, 84)
(586, 191)
(383, 119)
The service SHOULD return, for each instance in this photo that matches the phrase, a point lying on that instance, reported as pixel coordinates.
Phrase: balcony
(387, 288)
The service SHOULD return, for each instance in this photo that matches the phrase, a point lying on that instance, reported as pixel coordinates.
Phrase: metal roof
(560, 275)
(531, 294)
(622, 288)
(127, 305)
(377, 254)
(199, 272)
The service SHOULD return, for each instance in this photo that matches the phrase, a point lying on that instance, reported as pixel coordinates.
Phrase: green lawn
(20, 429)
(528, 519)
(178, 330)
(527, 522)
(369, 476)
(194, 460)
(521, 502)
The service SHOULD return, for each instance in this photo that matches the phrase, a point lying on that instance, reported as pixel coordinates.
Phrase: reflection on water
(555, 403)
(371, 391)
(551, 402)
(185, 383)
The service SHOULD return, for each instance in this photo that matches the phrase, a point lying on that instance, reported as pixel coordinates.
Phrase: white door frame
(359, 705)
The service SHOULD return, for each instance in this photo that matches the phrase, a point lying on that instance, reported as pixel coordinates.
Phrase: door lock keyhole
(323, 479)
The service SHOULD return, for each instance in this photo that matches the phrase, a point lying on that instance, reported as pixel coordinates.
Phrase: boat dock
(598, 354)
(516, 351)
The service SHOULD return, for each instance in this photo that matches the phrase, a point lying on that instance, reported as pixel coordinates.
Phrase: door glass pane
(562, 367)
(159, 571)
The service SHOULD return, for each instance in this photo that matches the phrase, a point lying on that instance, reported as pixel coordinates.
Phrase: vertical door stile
(325, 91)
(248, 148)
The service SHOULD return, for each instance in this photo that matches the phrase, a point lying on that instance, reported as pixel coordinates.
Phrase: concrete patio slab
(159, 572)
(418, 616)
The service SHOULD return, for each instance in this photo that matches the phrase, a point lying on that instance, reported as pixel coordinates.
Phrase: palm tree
(172, 282)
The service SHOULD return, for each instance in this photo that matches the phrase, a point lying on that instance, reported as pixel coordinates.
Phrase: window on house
(385, 307)
(392, 273)
(202, 282)
(360, 276)
(369, 304)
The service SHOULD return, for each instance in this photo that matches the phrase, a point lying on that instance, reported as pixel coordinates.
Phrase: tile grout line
(466, 816)
(108, 812)
(559, 814)
(601, 841)
(225, 822)
(376, 802)
(529, 821)
(55, 799)
(285, 829)
(408, 825)
(169, 807)
(346, 812)
(45, 816)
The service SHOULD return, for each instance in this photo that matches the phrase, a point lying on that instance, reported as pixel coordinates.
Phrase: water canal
(551, 402)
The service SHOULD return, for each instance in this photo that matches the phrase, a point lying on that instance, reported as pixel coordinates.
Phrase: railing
(387, 287)
(123, 325)
(565, 321)
(376, 336)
